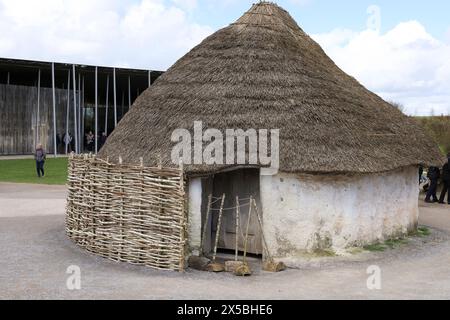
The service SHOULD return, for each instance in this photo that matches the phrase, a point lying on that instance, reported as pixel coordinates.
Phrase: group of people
(434, 174)
(67, 141)
(90, 141)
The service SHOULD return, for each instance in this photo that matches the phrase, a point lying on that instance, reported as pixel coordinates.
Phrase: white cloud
(186, 4)
(141, 34)
(406, 64)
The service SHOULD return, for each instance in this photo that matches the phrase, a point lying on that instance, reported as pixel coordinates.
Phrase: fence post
(183, 220)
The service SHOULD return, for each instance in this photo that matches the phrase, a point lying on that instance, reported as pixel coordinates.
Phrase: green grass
(376, 247)
(422, 232)
(24, 171)
(395, 243)
(388, 244)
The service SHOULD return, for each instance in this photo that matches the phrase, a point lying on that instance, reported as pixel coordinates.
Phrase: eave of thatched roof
(264, 72)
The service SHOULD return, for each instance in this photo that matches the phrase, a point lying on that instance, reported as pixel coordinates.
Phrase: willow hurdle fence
(126, 213)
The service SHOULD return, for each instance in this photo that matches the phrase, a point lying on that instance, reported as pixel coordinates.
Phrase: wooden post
(237, 229)
(96, 110)
(107, 104)
(183, 223)
(75, 125)
(67, 111)
(115, 97)
(205, 225)
(38, 115)
(262, 230)
(246, 232)
(55, 145)
(219, 223)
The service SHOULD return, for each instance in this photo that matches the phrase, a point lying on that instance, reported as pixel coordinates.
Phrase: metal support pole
(96, 110)
(75, 125)
(107, 104)
(67, 112)
(115, 97)
(79, 113)
(149, 78)
(55, 145)
(38, 115)
(8, 79)
(82, 115)
(129, 92)
(123, 106)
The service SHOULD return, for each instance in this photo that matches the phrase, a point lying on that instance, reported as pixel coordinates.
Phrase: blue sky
(404, 57)
(319, 16)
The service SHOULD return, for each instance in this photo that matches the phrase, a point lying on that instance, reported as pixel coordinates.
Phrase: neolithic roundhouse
(347, 159)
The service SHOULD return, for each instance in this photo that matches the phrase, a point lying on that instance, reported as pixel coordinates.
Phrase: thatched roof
(263, 71)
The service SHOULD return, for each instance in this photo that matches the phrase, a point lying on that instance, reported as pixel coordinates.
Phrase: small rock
(215, 267)
(272, 266)
(231, 266)
(199, 263)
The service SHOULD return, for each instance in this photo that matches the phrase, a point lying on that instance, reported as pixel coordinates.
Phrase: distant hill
(439, 129)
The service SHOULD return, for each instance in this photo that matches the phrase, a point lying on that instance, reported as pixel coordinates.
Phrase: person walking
(433, 174)
(72, 142)
(68, 142)
(40, 156)
(445, 181)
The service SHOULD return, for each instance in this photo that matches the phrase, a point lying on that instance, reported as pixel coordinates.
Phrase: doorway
(242, 183)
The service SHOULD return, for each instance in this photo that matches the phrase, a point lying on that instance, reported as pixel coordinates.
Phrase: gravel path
(36, 253)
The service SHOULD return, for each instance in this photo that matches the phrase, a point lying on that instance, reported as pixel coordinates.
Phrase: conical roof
(264, 72)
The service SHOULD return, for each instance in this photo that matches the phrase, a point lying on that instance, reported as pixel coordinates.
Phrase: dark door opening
(243, 183)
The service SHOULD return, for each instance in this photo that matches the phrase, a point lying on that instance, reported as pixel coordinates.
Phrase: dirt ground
(35, 255)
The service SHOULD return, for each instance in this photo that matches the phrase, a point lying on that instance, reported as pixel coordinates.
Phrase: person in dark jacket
(446, 181)
(433, 175)
(40, 156)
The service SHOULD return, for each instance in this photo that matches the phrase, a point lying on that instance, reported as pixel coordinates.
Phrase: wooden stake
(246, 232)
(237, 228)
(219, 223)
(205, 225)
(262, 229)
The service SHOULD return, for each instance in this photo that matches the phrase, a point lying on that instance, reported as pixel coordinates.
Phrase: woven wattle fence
(127, 213)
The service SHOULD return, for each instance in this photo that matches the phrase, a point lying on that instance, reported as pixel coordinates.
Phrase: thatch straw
(264, 72)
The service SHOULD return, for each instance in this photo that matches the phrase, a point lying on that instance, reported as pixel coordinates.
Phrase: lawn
(24, 171)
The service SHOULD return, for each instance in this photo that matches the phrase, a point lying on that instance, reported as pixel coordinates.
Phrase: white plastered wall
(305, 213)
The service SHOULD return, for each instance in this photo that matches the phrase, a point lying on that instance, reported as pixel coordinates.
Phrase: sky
(398, 49)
